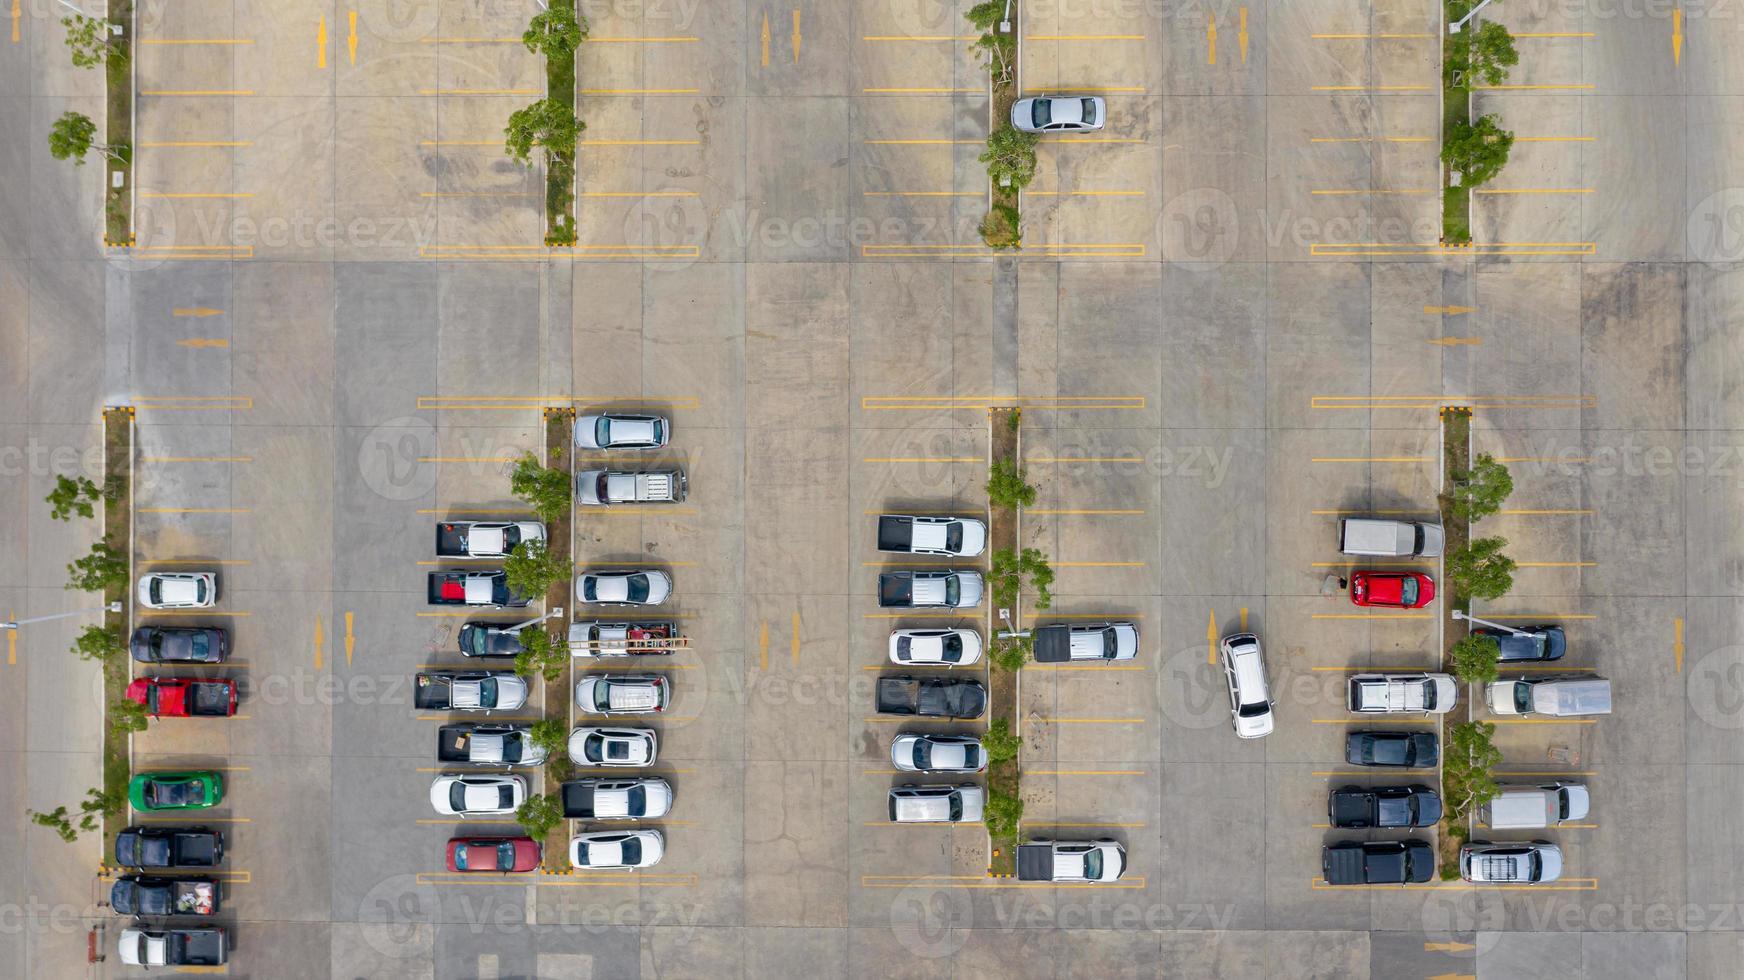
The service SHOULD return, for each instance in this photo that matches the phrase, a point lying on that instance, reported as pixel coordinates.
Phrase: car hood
(974, 538)
(1579, 802)
(1125, 641)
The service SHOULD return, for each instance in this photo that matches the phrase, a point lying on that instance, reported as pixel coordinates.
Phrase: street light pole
(1457, 614)
(113, 607)
(518, 627)
(1454, 28)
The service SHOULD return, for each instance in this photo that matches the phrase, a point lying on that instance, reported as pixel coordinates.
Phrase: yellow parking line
(1377, 402)
(676, 39)
(191, 196)
(1372, 37)
(922, 193)
(1541, 34)
(635, 143)
(1371, 139)
(1556, 564)
(1390, 513)
(1370, 772)
(194, 561)
(1088, 139)
(469, 40)
(517, 511)
(1572, 885)
(1099, 564)
(1370, 616)
(478, 91)
(197, 92)
(922, 142)
(193, 403)
(639, 194)
(1088, 89)
(1520, 88)
(1544, 459)
(1358, 720)
(1554, 139)
(982, 402)
(925, 614)
(1363, 667)
(1083, 826)
(1539, 616)
(920, 37)
(1084, 37)
(978, 882)
(467, 459)
(1090, 667)
(1542, 721)
(1084, 459)
(961, 823)
(171, 144)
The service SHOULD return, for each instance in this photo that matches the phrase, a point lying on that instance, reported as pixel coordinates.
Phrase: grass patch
(1455, 112)
(118, 131)
(1002, 676)
(117, 671)
(560, 168)
(559, 423)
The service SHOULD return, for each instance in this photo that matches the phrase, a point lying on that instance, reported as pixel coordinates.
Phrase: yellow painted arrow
(1457, 341)
(1677, 642)
(1448, 947)
(1677, 37)
(17, 15)
(766, 39)
(204, 342)
(796, 35)
(321, 43)
(196, 311)
(350, 640)
(1210, 39)
(351, 38)
(1450, 310)
(1242, 35)
(318, 638)
(1211, 639)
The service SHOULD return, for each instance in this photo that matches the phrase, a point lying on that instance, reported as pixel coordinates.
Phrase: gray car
(1059, 114)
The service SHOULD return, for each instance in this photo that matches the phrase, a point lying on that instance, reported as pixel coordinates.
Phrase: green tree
(1481, 490)
(90, 42)
(56, 820)
(1011, 157)
(545, 489)
(532, 568)
(104, 568)
(95, 805)
(542, 654)
(1465, 771)
(73, 135)
(99, 643)
(1001, 227)
(1000, 743)
(73, 495)
(555, 32)
(1480, 570)
(549, 734)
(1007, 486)
(547, 124)
(997, 49)
(1483, 54)
(1001, 814)
(127, 716)
(1009, 568)
(539, 814)
(1474, 658)
(1477, 150)
(1012, 652)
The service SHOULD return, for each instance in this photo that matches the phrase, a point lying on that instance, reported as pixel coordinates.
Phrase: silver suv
(1521, 862)
(1250, 701)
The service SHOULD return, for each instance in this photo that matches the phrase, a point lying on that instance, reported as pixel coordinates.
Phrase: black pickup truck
(1382, 862)
(169, 847)
(147, 895)
(931, 698)
(1384, 807)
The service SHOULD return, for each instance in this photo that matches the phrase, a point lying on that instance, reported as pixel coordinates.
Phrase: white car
(915, 752)
(946, 647)
(1244, 669)
(1059, 114)
(623, 694)
(629, 587)
(467, 796)
(178, 590)
(617, 850)
(619, 430)
(613, 747)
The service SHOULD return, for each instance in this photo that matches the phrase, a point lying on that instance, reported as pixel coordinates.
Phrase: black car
(1529, 644)
(1392, 750)
(489, 640)
(1381, 862)
(1355, 807)
(931, 698)
(147, 895)
(179, 645)
(169, 847)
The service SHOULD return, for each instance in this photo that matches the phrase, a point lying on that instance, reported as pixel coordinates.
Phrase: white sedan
(946, 647)
(178, 590)
(633, 587)
(913, 752)
(466, 796)
(623, 694)
(1059, 114)
(613, 747)
(619, 430)
(617, 850)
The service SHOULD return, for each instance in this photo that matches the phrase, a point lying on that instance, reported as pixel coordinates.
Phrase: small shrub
(1480, 570)
(1481, 490)
(90, 43)
(551, 735)
(104, 568)
(1002, 228)
(1007, 485)
(541, 654)
(532, 568)
(1012, 652)
(543, 488)
(127, 716)
(75, 495)
(99, 643)
(999, 742)
(1001, 814)
(1474, 658)
(539, 814)
(1011, 157)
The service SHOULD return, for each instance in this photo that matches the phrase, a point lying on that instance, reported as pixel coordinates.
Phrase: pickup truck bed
(1035, 862)
(1053, 644)
(931, 698)
(1342, 865)
(578, 800)
(188, 847)
(1350, 808)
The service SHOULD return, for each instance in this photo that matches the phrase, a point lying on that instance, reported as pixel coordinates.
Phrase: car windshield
(1039, 113)
(951, 648)
(600, 487)
(505, 796)
(602, 695)
(457, 796)
(956, 807)
(472, 641)
(602, 431)
(1408, 591)
(593, 748)
(1522, 698)
(157, 590)
(659, 428)
(638, 799)
(954, 536)
(1089, 112)
(1108, 644)
(632, 849)
(487, 692)
(1254, 710)
(505, 855)
(922, 753)
(971, 756)
(953, 591)
(636, 586)
(460, 854)
(590, 589)
(1093, 864)
(200, 590)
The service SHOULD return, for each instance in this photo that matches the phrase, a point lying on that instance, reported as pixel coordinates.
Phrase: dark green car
(175, 790)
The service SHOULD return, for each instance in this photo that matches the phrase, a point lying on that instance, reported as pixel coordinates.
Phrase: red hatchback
(1397, 590)
(493, 854)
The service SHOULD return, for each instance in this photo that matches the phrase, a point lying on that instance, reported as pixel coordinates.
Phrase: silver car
(915, 752)
(625, 587)
(1059, 114)
(620, 430)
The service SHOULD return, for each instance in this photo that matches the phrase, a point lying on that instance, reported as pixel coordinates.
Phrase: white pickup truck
(953, 537)
(1430, 694)
(605, 487)
(910, 590)
(1081, 861)
(484, 539)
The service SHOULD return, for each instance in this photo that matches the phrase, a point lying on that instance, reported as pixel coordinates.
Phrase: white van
(1535, 807)
(1379, 538)
(1561, 696)
(936, 804)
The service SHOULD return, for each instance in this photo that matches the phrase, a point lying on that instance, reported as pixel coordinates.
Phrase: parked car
(504, 855)
(607, 487)
(1535, 807)
(1380, 538)
(488, 745)
(1060, 643)
(459, 587)
(1418, 693)
(192, 790)
(918, 752)
(613, 747)
(954, 537)
(1077, 861)
(627, 587)
(915, 590)
(1525, 862)
(1383, 807)
(910, 803)
(1059, 114)
(596, 639)
(1559, 696)
(179, 697)
(623, 694)
(159, 846)
(1393, 590)
(489, 640)
(178, 590)
(617, 799)
(1528, 644)
(148, 895)
(934, 697)
(1244, 672)
(619, 850)
(174, 947)
(934, 647)
(484, 539)
(473, 690)
(1392, 750)
(179, 645)
(621, 430)
(476, 796)
(1377, 862)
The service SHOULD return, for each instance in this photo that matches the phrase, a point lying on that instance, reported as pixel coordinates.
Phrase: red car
(180, 697)
(1397, 590)
(494, 854)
